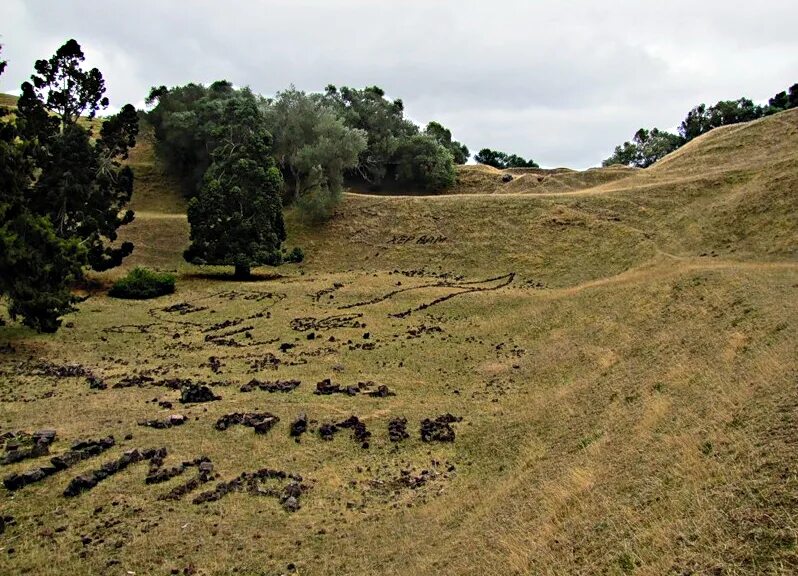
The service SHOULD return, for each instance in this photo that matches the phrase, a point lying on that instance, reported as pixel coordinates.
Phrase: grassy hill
(620, 345)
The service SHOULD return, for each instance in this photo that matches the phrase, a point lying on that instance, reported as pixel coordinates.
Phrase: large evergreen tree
(36, 266)
(82, 186)
(236, 218)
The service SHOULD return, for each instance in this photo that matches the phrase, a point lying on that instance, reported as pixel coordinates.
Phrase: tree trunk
(242, 272)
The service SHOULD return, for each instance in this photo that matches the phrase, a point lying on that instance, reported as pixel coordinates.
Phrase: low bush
(142, 283)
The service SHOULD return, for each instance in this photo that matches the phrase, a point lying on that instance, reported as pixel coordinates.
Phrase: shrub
(295, 256)
(142, 283)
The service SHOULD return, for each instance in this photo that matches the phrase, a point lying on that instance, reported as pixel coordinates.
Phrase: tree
(501, 160)
(313, 148)
(702, 119)
(443, 136)
(36, 266)
(82, 186)
(236, 218)
(645, 149)
(792, 97)
(425, 163)
(188, 123)
(383, 122)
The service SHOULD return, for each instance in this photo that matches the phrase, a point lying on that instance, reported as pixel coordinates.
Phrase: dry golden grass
(628, 399)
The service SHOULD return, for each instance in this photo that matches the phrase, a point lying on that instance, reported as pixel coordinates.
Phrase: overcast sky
(561, 82)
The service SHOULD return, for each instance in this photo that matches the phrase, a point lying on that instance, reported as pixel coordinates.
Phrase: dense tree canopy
(502, 160)
(62, 191)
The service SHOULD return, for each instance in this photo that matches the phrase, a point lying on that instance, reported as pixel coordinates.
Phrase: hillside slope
(621, 350)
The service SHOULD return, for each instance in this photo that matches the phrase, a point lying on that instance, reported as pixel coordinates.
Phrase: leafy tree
(383, 122)
(81, 186)
(425, 163)
(236, 219)
(647, 147)
(36, 266)
(313, 148)
(501, 160)
(459, 152)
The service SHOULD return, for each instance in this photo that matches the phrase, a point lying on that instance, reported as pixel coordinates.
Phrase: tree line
(648, 146)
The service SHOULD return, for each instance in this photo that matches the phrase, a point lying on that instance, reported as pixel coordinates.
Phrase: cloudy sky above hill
(561, 82)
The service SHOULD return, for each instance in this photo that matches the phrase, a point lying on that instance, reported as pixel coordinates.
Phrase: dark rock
(397, 429)
(359, 431)
(261, 422)
(299, 426)
(440, 429)
(271, 386)
(96, 383)
(327, 431)
(195, 393)
(507, 178)
(382, 391)
(291, 504)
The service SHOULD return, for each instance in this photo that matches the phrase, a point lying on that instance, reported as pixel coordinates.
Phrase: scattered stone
(382, 390)
(204, 475)
(168, 422)
(251, 483)
(397, 429)
(21, 446)
(89, 480)
(137, 380)
(271, 386)
(359, 431)
(261, 422)
(286, 346)
(215, 364)
(326, 388)
(327, 431)
(195, 393)
(96, 383)
(79, 451)
(440, 429)
(182, 308)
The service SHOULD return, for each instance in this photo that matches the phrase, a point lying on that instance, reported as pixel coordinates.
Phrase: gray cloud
(561, 82)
